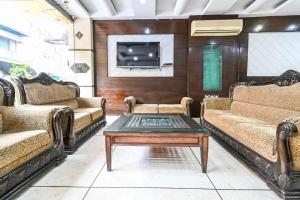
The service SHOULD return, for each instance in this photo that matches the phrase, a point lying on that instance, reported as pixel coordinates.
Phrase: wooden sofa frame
(18, 179)
(278, 175)
(72, 141)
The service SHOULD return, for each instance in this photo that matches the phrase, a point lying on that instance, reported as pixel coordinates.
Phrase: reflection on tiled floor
(148, 173)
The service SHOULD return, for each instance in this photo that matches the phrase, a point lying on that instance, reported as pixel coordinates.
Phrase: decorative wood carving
(9, 93)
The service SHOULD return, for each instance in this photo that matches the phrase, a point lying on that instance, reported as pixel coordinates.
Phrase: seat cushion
(96, 113)
(145, 108)
(258, 135)
(226, 121)
(171, 108)
(261, 138)
(81, 120)
(19, 147)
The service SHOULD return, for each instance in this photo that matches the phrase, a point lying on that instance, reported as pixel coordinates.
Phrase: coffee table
(156, 130)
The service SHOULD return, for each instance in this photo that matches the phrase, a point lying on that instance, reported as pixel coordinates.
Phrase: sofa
(85, 116)
(30, 142)
(183, 107)
(260, 124)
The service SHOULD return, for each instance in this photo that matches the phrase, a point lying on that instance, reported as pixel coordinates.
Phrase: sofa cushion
(81, 120)
(37, 93)
(257, 135)
(286, 97)
(268, 114)
(1, 124)
(19, 147)
(261, 138)
(1, 96)
(171, 108)
(72, 103)
(145, 108)
(94, 112)
(226, 121)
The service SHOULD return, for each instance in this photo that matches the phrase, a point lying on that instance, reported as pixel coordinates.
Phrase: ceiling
(169, 9)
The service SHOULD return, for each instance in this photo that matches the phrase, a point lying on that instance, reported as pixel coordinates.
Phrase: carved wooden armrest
(288, 150)
(186, 103)
(130, 102)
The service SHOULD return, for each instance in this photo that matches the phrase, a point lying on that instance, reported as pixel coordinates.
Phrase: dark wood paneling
(146, 89)
(270, 24)
(195, 64)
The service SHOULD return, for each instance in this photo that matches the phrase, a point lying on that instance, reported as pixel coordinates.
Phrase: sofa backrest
(42, 89)
(38, 94)
(285, 97)
(271, 102)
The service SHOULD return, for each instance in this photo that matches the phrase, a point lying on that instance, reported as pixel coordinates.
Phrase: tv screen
(138, 54)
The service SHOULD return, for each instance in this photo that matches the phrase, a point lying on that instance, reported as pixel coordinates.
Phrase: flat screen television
(138, 54)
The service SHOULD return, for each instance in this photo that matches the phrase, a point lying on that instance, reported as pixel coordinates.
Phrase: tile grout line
(103, 166)
(206, 174)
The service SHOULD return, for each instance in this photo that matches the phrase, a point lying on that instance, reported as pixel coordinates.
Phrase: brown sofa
(260, 123)
(30, 142)
(134, 107)
(86, 116)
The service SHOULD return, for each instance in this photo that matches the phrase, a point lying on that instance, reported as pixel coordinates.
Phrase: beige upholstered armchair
(85, 116)
(182, 107)
(30, 141)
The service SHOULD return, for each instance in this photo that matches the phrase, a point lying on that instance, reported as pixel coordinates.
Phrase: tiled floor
(148, 173)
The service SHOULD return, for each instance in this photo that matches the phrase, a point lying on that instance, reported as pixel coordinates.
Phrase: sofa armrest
(287, 147)
(217, 103)
(186, 103)
(130, 102)
(214, 103)
(91, 102)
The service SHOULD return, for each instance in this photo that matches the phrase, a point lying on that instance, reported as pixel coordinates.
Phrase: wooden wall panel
(195, 64)
(146, 89)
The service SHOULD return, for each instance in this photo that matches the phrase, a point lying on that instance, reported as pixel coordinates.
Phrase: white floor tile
(248, 195)
(226, 172)
(150, 194)
(153, 167)
(53, 193)
(79, 169)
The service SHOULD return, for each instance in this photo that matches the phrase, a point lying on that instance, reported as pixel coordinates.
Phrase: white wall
(271, 54)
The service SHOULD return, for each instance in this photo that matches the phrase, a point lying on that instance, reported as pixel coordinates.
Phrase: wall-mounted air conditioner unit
(228, 27)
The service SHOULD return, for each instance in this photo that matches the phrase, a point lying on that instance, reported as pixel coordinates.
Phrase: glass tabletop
(155, 123)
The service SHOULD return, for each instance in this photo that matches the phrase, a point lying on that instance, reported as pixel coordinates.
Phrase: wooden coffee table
(156, 130)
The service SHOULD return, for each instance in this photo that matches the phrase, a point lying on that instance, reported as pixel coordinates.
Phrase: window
(212, 68)
(4, 44)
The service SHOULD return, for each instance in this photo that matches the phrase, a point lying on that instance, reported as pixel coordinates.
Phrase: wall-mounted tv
(138, 54)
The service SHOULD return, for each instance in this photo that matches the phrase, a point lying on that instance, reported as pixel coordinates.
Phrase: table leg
(204, 153)
(108, 152)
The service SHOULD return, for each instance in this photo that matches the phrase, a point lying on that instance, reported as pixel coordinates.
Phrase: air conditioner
(227, 27)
